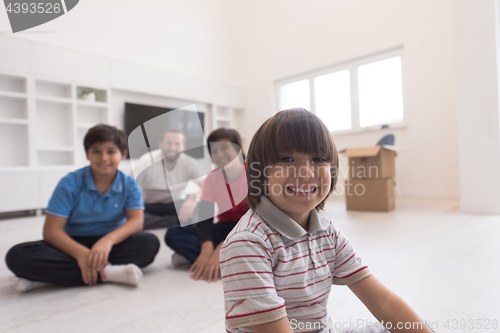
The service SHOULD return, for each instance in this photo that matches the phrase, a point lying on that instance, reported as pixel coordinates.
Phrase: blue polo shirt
(88, 212)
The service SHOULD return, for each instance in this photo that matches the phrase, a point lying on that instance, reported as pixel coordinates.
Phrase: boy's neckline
(284, 224)
(108, 181)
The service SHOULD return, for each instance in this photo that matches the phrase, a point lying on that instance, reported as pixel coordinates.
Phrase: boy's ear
(124, 155)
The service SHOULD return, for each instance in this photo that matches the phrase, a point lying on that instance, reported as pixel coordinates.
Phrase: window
(356, 95)
(295, 95)
(332, 92)
(380, 92)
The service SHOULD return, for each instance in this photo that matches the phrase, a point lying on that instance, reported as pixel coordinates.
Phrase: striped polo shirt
(272, 268)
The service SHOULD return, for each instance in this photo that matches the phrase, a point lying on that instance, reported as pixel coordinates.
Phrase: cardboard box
(376, 162)
(372, 195)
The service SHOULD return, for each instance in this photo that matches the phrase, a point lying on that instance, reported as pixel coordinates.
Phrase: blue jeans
(184, 241)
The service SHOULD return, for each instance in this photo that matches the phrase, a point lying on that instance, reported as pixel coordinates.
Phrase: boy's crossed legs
(40, 262)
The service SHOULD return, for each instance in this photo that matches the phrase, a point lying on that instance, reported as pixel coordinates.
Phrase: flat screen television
(137, 114)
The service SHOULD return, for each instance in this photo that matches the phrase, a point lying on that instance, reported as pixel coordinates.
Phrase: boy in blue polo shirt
(92, 226)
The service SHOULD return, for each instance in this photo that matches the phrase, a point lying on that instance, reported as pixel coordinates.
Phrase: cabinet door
(19, 192)
(48, 182)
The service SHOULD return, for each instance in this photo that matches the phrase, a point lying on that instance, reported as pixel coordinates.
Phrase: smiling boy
(280, 261)
(92, 226)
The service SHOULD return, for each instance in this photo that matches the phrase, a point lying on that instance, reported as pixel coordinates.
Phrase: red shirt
(229, 196)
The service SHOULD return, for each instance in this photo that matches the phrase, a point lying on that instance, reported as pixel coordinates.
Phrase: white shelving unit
(42, 125)
(227, 117)
(14, 147)
(222, 117)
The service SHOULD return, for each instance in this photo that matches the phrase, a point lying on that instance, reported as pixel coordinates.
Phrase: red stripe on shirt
(248, 256)
(302, 241)
(285, 261)
(312, 268)
(232, 291)
(320, 237)
(309, 300)
(249, 219)
(307, 285)
(346, 260)
(306, 306)
(343, 277)
(256, 226)
(342, 248)
(253, 313)
(249, 272)
(243, 240)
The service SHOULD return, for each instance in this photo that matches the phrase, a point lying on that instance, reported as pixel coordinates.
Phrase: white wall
(287, 37)
(194, 37)
(477, 67)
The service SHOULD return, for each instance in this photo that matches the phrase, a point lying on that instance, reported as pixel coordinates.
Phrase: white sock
(178, 260)
(27, 285)
(127, 274)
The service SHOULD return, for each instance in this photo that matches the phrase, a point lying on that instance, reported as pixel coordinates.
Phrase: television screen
(137, 114)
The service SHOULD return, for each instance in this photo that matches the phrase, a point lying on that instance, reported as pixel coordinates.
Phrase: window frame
(351, 65)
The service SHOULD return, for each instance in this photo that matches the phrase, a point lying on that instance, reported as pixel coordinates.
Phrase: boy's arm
(54, 234)
(134, 224)
(99, 252)
(279, 326)
(387, 306)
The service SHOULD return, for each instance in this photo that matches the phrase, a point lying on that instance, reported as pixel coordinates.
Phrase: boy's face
(104, 158)
(298, 183)
(223, 152)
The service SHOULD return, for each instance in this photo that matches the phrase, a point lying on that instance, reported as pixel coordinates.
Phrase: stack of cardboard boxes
(370, 185)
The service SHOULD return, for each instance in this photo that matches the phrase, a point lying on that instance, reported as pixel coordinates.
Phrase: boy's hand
(89, 276)
(198, 267)
(212, 269)
(99, 253)
(207, 265)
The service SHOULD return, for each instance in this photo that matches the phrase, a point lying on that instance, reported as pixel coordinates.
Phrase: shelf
(12, 84)
(24, 169)
(55, 158)
(13, 95)
(219, 118)
(54, 124)
(90, 115)
(14, 147)
(101, 95)
(222, 124)
(47, 149)
(95, 104)
(12, 106)
(80, 154)
(222, 111)
(43, 123)
(55, 100)
(53, 89)
(14, 121)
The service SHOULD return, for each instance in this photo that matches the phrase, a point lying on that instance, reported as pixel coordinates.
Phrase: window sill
(390, 127)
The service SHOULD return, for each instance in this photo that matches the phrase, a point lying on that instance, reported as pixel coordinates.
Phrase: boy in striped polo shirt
(280, 261)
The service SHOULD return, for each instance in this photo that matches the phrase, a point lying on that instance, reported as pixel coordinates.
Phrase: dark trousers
(184, 241)
(39, 261)
(160, 215)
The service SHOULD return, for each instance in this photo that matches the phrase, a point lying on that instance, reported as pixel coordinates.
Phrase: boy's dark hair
(226, 134)
(101, 133)
(287, 131)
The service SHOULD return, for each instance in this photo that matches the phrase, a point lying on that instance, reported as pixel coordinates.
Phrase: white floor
(445, 264)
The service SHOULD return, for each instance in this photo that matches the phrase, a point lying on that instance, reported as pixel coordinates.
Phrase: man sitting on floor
(161, 195)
